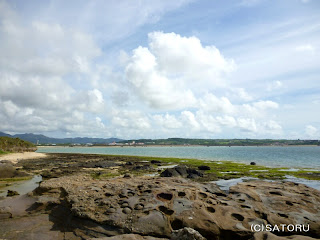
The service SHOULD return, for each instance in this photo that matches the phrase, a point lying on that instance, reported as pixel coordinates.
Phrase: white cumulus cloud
(312, 131)
(167, 121)
(247, 124)
(168, 73)
(37, 60)
(213, 104)
(55, 78)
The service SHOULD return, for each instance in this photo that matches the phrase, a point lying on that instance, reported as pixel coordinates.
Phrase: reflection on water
(22, 187)
(226, 184)
(310, 183)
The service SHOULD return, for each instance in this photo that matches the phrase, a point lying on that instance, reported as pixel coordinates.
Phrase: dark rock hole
(181, 194)
(275, 193)
(220, 194)
(203, 195)
(283, 215)
(211, 209)
(289, 203)
(130, 194)
(166, 210)
(237, 216)
(245, 206)
(177, 224)
(166, 196)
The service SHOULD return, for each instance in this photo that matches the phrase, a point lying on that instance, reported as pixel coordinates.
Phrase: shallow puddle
(22, 187)
(226, 184)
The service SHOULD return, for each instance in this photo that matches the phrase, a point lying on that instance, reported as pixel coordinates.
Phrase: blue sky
(158, 69)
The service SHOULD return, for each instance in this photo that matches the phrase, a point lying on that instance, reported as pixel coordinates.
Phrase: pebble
(138, 207)
(126, 210)
(127, 175)
(125, 204)
(111, 210)
(95, 189)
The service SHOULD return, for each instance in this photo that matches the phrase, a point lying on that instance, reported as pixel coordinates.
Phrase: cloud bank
(117, 75)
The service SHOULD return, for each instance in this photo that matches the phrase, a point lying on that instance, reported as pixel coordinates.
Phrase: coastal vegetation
(9, 145)
(3, 152)
(44, 140)
(223, 142)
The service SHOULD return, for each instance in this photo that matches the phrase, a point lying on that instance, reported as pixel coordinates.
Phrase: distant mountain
(34, 138)
(2, 134)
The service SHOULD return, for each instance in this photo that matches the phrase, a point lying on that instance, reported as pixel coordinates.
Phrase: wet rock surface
(181, 171)
(204, 167)
(82, 208)
(11, 193)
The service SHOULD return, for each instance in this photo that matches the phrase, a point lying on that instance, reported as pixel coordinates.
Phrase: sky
(160, 69)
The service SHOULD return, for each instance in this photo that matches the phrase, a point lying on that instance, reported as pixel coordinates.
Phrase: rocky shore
(77, 203)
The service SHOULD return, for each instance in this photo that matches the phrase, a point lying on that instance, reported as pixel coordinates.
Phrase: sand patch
(16, 157)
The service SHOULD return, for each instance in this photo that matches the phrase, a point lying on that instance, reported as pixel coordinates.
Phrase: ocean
(291, 157)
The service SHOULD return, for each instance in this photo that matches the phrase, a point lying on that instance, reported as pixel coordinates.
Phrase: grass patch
(3, 152)
(8, 144)
(15, 179)
(310, 175)
(101, 176)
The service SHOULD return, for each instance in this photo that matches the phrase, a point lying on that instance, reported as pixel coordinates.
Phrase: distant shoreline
(141, 146)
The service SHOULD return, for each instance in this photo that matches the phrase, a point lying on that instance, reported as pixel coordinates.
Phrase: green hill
(8, 144)
(41, 139)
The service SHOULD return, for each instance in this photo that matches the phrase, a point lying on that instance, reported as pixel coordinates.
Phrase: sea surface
(292, 157)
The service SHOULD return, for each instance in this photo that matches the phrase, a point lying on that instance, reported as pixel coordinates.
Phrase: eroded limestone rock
(154, 206)
(129, 237)
(270, 236)
(186, 234)
(278, 203)
(157, 206)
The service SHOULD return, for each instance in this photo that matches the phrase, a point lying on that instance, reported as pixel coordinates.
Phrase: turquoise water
(293, 157)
